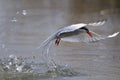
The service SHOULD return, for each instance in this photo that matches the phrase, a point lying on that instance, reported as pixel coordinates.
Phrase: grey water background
(25, 24)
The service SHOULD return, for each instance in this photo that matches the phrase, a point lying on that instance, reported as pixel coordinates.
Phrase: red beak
(89, 33)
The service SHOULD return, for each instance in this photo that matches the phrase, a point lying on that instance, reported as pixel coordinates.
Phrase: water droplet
(24, 12)
(17, 12)
(14, 20)
(19, 68)
(11, 56)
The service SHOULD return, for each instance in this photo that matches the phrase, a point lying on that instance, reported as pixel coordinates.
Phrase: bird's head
(87, 31)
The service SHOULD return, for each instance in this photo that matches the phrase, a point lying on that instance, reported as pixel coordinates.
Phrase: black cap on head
(84, 28)
(88, 32)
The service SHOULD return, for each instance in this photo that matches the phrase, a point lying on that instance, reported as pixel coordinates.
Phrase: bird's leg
(57, 41)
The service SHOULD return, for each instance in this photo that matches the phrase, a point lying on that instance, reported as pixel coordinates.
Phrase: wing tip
(113, 35)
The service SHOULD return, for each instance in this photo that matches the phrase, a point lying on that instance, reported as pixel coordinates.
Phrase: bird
(74, 33)
(77, 33)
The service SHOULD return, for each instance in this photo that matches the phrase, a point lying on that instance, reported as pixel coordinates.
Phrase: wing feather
(84, 37)
(71, 28)
(99, 23)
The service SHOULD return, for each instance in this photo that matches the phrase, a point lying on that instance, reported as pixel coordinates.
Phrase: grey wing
(71, 28)
(97, 37)
(84, 37)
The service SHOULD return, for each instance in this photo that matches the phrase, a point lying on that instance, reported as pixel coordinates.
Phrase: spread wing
(74, 27)
(84, 37)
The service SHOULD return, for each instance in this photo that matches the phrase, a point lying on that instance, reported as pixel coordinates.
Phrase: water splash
(46, 55)
(13, 66)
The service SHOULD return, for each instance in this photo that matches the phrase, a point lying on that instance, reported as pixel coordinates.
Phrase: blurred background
(25, 24)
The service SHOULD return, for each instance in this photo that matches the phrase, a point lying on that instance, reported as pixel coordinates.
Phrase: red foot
(57, 41)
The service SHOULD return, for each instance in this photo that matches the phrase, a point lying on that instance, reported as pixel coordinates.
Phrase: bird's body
(77, 33)
(71, 28)
(73, 33)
